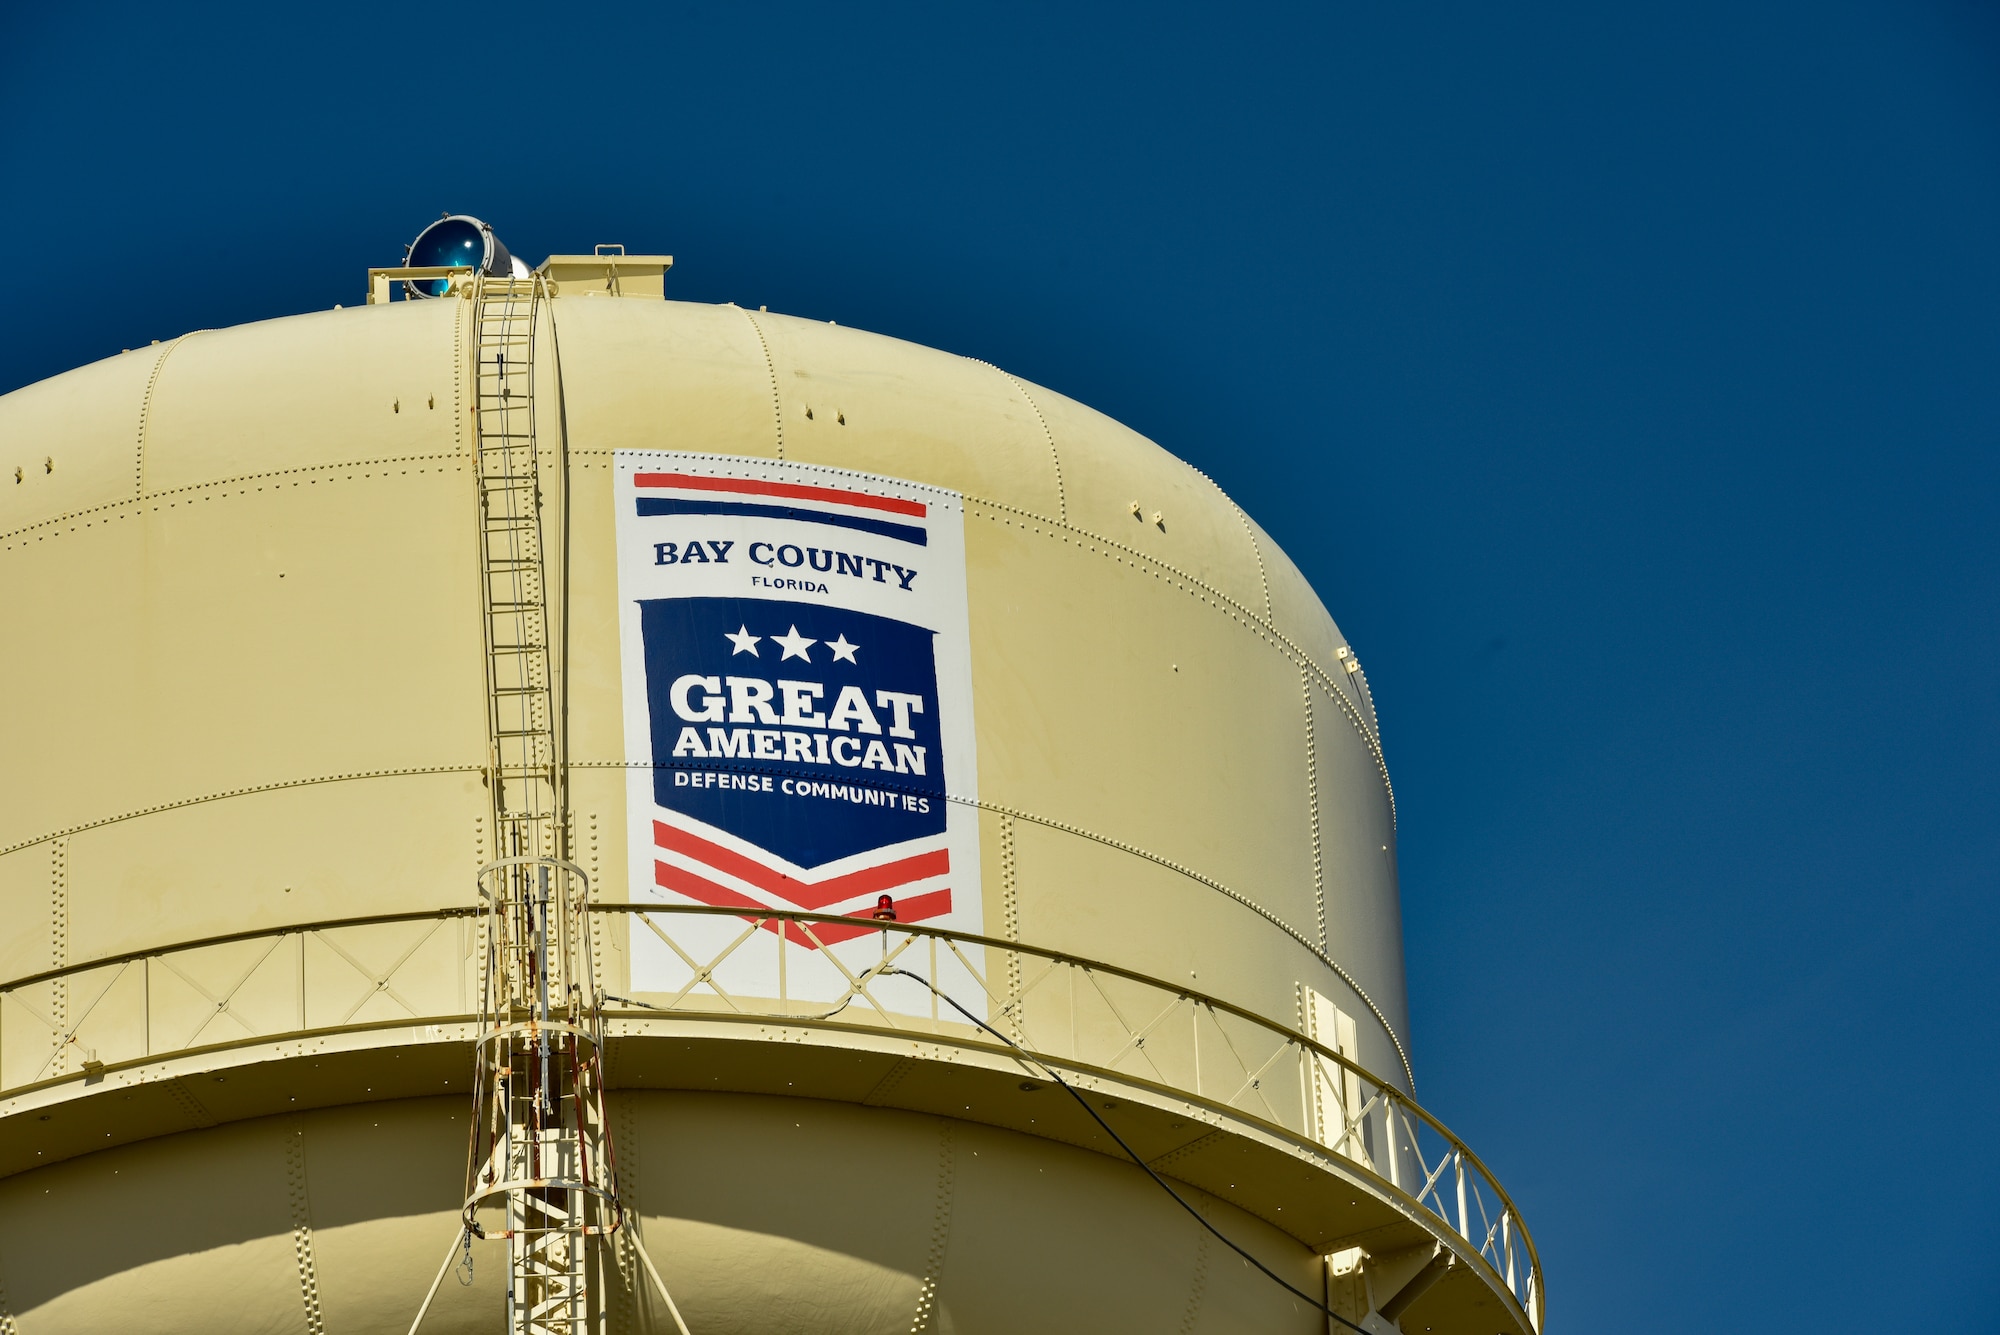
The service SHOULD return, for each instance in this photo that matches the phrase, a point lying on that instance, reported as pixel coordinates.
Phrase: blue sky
(1622, 376)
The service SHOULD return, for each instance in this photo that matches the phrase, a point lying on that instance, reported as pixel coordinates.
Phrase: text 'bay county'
(789, 555)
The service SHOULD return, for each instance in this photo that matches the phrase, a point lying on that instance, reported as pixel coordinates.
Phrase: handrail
(230, 938)
(1000, 943)
(1444, 1177)
(1461, 1152)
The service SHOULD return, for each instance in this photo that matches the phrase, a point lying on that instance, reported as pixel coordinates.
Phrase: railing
(226, 990)
(1080, 1015)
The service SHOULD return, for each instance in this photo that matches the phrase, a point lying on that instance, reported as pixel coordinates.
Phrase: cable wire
(1164, 1185)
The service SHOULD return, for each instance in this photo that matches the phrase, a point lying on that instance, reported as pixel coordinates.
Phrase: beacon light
(455, 240)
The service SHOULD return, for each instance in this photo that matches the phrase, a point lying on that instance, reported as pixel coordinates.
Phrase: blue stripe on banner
(659, 505)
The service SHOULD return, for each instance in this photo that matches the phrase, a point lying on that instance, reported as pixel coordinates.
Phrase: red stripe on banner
(790, 490)
(805, 894)
(916, 908)
(695, 887)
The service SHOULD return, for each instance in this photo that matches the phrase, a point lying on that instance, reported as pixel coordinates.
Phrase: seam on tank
(1198, 1285)
(1173, 1156)
(238, 792)
(1220, 601)
(299, 1190)
(1318, 952)
(7, 1326)
(1365, 692)
(146, 412)
(878, 1096)
(1055, 456)
(1010, 921)
(1312, 809)
(192, 1108)
(1256, 550)
(482, 934)
(59, 952)
(627, 1297)
(595, 890)
(771, 369)
(926, 1316)
(1198, 587)
(191, 491)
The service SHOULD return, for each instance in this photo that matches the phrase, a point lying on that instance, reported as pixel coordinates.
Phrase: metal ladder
(541, 1148)
(522, 758)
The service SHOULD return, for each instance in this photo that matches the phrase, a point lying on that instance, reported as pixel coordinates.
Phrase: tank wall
(245, 663)
(762, 1213)
(255, 617)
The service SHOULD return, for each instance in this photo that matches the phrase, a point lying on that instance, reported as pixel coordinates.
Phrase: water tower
(527, 798)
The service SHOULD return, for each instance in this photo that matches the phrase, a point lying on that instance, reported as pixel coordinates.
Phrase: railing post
(302, 981)
(784, 950)
(1069, 972)
(146, 1006)
(1195, 1026)
(1458, 1168)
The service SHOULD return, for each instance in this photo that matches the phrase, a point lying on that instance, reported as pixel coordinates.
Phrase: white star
(745, 642)
(795, 644)
(842, 650)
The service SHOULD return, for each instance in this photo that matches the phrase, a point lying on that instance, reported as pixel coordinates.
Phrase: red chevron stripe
(790, 490)
(914, 909)
(670, 877)
(807, 895)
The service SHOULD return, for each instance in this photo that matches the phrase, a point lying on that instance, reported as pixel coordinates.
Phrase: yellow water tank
(1138, 822)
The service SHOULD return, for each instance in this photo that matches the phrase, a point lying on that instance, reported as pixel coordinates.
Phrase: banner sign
(798, 704)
